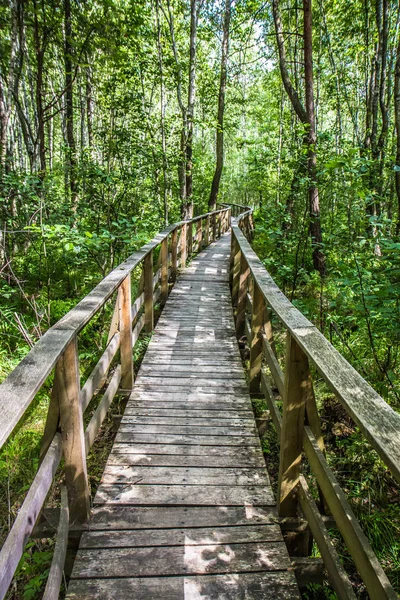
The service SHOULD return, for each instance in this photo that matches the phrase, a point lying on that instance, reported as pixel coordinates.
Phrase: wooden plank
(148, 292)
(181, 537)
(147, 562)
(234, 460)
(119, 517)
(54, 580)
(211, 416)
(181, 449)
(241, 298)
(252, 586)
(164, 271)
(174, 257)
(125, 332)
(186, 430)
(294, 400)
(150, 475)
(14, 545)
(337, 574)
(71, 420)
(189, 419)
(367, 564)
(187, 439)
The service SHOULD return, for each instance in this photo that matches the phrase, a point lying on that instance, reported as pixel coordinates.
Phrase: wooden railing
(64, 434)
(256, 298)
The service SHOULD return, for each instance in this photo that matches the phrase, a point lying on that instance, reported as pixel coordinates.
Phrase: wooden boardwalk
(185, 509)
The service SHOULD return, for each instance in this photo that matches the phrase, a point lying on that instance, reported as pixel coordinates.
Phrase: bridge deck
(185, 509)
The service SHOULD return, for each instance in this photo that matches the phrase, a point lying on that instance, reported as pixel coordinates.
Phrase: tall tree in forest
(397, 123)
(185, 166)
(69, 107)
(221, 107)
(307, 117)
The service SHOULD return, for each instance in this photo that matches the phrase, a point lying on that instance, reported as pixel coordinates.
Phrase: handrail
(255, 296)
(58, 349)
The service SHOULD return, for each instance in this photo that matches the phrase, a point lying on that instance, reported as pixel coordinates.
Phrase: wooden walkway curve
(185, 509)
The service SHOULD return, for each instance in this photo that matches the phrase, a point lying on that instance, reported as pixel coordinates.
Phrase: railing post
(207, 231)
(164, 271)
(242, 293)
(148, 293)
(125, 331)
(256, 348)
(296, 391)
(174, 254)
(190, 238)
(236, 272)
(199, 230)
(71, 420)
(219, 225)
(183, 245)
(214, 227)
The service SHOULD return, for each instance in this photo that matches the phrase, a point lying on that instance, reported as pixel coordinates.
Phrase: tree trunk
(212, 202)
(190, 109)
(306, 116)
(69, 109)
(313, 195)
(40, 44)
(397, 122)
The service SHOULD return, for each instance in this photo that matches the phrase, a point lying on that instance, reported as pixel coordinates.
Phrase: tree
(307, 117)
(221, 108)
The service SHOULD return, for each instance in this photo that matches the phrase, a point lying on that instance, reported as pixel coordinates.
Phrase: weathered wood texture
(185, 509)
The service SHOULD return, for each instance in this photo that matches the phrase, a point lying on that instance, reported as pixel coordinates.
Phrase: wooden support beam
(214, 227)
(54, 580)
(366, 562)
(207, 232)
(242, 292)
(297, 382)
(148, 293)
(164, 271)
(189, 238)
(199, 235)
(236, 273)
(73, 436)
(183, 245)
(125, 332)
(257, 324)
(174, 255)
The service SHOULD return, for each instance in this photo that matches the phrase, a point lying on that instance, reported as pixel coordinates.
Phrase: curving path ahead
(185, 509)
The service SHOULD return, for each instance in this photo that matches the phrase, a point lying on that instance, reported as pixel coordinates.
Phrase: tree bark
(307, 117)
(397, 122)
(313, 195)
(188, 208)
(69, 109)
(212, 202)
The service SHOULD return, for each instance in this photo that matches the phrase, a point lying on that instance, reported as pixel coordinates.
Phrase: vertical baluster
(207, 231)
(164, 271)
(183, 245)
(125, 331)
(219, 225)
(174, 254)
(148, 293)
(199, 235)
(71, 419)
(242, 292)
(296, 391)
(190, 238)
(256, 348)
(214, 226)
(236, 272)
